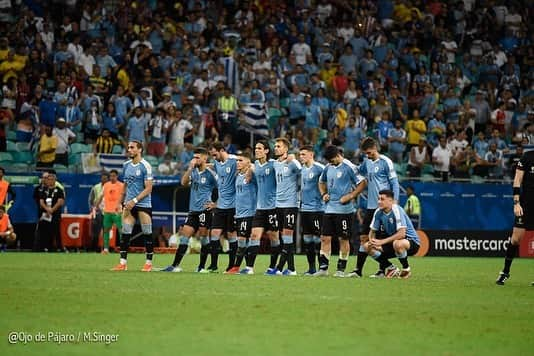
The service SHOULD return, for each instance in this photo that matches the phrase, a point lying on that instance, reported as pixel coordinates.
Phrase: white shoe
(246, 270)
(354, 274)
(203, 271)
(339, 274)
(171, 269)
(378, 274)
(321, 273)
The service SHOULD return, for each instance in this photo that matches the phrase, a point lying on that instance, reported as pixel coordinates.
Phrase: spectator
(158, 127)
(415, 128)
(441, 157)
(397, 142)
(105, 142)
(494, 159)
(47, 149)
(137, 128)
(418, 158)
(92, 123)
(51, 200)
(168, 167)
(65, 137)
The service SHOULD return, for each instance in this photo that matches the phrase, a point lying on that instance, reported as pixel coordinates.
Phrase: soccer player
(523, 195)
(339, 185)
(138, 178)
(287, 170)
(400, 239)
(223, 216)
(379, 172)
(112, 195)
(312, 207)
(202, 181)
(245, 203)
(265, 216)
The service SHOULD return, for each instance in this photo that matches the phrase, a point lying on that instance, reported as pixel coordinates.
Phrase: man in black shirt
(523, 192)
(51, 200)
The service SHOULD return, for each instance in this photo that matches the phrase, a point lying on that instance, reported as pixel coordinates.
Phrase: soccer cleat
(147, 267)
(246, 270)
(502, 278)
(310, 272)
(233, 270)
(271, 272)
(202, 271)
(288, 272)
(321, 273)
(120, 267)
(213, 270)
(378, 274)
(405, 273)
(355, 274)
(339, 274)
(104, 252)
(171, 268)
(392, 272)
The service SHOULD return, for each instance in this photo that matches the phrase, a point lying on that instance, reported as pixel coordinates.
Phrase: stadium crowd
(444, 86)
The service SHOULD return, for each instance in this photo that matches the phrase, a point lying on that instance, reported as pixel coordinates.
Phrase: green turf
(450, 306)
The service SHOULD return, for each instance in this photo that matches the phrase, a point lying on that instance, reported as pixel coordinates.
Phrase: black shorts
(266, 219)
(311, 222)
(198, 219)
(244, 226)
(368, 217)
(224, 219)
(389, 252)
(136, 209)
(287, 218)
(527, 220)
(337, 225)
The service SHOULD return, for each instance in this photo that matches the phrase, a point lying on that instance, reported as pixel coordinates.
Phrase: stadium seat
(477, 179)
(427, 169)
(18, 167)
(23, 146)
(11, 135)
(60, 168)
(75, 159)
(79, 137)
(427, 178)
(6, 158)
(26, 157)
(81, 148)
(117, 149)
(11, 146)
(153, 160)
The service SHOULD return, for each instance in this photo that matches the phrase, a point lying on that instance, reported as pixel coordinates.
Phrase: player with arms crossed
(245, 204)
(265, 216)
(138, 178)
(339, 185)
(379, 172)
(224, 214)
(287, 171)
(523, 191)
(311, 207)
(400, 239)
(202, 181)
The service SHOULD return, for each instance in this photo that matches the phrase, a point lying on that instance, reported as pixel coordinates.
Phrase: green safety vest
(413, 206)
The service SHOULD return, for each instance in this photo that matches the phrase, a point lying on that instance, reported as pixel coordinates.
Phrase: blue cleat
(171, 269)
(288, 272)
(246, 270)
(310, 272)
(271, 272)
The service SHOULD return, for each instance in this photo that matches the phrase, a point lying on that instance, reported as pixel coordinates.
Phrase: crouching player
(401, 239)
(245, 202)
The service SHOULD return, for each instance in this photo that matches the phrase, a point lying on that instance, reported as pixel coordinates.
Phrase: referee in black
(523, 191)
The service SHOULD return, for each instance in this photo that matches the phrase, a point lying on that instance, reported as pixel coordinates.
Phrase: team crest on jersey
(311, 175)
(203, 180)
(390, 220)
(138, 172)
(376, 169)
(227, 169)
(339, 174)
(267, 171)
(286, 169)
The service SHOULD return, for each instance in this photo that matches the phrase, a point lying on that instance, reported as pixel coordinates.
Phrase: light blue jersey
(380, 174)
(311, 196)
(340, 180)
(226, 173)
(202, 185)
(266, 181)
(245, 197)
(391, 222)
(135, 175)
(287, 181)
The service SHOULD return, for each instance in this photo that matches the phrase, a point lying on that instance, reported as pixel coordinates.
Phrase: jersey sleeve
(295, 165)
(323, 177)
(400, 219)
(523, 163)
(148, 169)
(375, 222)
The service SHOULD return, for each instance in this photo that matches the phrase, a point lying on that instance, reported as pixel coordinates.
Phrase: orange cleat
(120, 267)
(147, 267)
(233, 270)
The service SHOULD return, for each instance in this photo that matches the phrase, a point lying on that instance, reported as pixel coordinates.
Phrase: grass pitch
(450, 306)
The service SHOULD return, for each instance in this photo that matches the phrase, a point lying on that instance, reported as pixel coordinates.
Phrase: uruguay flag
(254, 119)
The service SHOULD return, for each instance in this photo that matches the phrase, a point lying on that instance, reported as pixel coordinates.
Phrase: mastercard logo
(424, 243)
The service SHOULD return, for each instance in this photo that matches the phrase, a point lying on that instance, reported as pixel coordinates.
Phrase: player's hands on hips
(210, 205)
(518, 210)
(326, 197)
